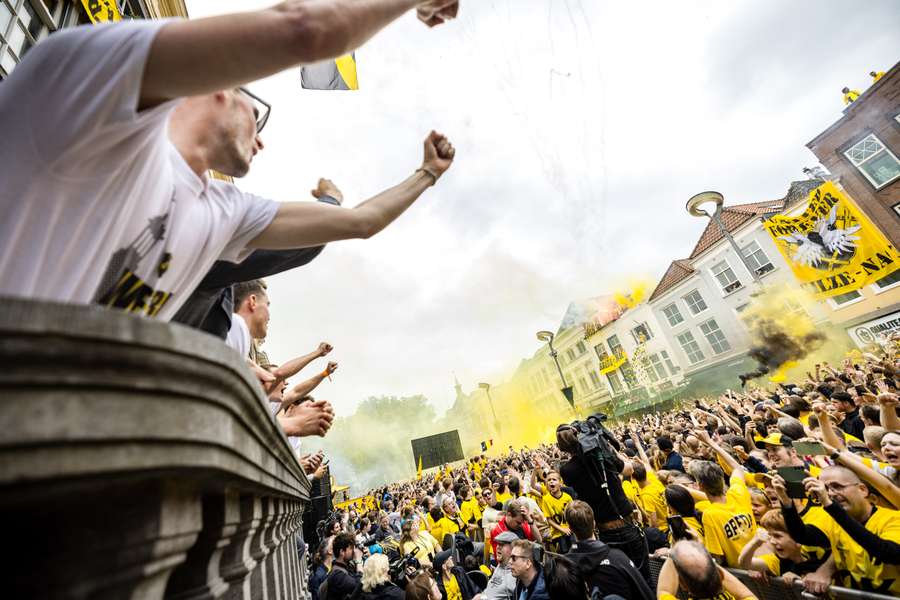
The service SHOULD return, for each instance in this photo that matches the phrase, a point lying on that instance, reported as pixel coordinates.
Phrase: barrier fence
(777, 589)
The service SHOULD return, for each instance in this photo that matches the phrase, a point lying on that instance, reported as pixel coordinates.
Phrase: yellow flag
(101, 11)
(419, 470)
(832, 247)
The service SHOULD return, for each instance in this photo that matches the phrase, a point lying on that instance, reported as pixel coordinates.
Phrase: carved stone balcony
(139, 460)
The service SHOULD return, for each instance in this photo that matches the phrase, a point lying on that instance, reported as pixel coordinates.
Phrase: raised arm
(295, 365)
(735, 466)
(299, 224)
(829, 435)
(190, 58)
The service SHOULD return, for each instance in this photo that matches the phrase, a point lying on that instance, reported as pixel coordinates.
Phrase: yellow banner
(832, 247)
(102, 11)
(361, 504)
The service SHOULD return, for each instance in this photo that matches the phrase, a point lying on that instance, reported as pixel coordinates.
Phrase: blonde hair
(375, 571)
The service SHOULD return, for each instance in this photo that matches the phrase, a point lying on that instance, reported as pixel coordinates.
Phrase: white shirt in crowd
(96, 204)
(239, 336)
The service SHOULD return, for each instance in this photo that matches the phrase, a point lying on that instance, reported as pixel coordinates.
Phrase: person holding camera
(597, 481)
(343, 580)
(376, 581)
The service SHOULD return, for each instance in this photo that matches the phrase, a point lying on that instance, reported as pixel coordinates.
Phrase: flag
(832, 247)
(419, 469)
(486, 445)
(337, 74)
(101, 11)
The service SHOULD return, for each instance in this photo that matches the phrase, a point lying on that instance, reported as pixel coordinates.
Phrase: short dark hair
(564, 579)
(514, 485)
(567, 439)
(639, 471)
(872, 413)
(245, 289)
(580, 517)
(341, 542)
(420, 587)
(843, 397)
(665, 444)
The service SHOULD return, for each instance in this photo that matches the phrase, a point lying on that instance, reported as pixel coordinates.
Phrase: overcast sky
(581, 127)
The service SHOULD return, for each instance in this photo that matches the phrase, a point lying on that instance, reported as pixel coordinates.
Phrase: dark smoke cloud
(776, 346)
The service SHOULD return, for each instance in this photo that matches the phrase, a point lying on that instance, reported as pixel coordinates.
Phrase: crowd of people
(110, 134)
(799, 483)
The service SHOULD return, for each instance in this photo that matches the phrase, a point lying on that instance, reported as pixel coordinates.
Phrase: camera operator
(376, 581)
(344, 576)
(595, 478)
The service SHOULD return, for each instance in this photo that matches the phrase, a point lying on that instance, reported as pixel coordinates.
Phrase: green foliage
(372, 446)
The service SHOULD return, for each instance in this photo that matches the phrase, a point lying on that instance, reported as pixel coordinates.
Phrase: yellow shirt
(773, 563)
(630, 490)
(469, 511)
(728, 527)
(554, 509)
(451, 586)
(425, 542)
(851, 96)
(652, 498)
(878, 75)
(817, 517)
(723, 595)
(444, 526)
(502, 498)
(865, 573)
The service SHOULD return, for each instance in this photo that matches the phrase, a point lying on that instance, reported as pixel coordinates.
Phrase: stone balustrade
(139, 460)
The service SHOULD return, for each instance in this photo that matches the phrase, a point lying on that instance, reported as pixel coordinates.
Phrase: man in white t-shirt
(250, 320)
(109, 131)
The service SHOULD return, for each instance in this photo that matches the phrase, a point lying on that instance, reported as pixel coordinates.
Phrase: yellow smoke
(631, 292)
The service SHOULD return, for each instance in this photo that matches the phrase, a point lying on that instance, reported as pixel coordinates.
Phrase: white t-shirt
(239, 336)
(96, 204)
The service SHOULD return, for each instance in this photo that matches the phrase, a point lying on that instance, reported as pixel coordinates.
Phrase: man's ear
(251, 302)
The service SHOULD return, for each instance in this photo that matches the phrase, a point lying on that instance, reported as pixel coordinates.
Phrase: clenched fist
(438, 154)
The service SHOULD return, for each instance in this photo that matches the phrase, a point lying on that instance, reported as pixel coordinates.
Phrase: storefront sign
(876, 330)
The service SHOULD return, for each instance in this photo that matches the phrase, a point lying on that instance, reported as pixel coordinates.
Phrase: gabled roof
(677, 272)
(599, 310)
(733, 217)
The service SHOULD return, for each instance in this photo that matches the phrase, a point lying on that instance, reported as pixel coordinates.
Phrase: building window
(889, 281)
(570, 354)
(842, 299)
(874, 161)
(695, 302)
(715, 337)
(657, 366)
(726, 277)
(641, 333)
(673, 315)
(580, 348)
(615, 345)
(595, 379)
(673, 368)
(614, 382)
(691, 347)
(648, 369)
(20, 28)
(757, 259)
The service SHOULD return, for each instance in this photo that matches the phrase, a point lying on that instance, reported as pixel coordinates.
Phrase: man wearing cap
(452, 579)
(502, 584)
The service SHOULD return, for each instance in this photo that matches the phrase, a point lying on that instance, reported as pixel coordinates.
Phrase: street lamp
(487, 388)
(547, 336)
(693, 208)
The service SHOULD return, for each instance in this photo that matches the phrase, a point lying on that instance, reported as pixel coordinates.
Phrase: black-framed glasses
(513, 557)
(261, 109)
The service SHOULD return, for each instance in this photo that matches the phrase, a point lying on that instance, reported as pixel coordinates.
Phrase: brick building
(862, 149)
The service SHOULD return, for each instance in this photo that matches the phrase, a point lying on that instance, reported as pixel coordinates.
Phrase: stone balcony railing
(139, 460)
